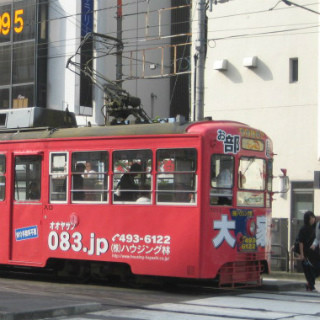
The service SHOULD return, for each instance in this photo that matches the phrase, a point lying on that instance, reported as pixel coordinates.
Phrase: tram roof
(36, 132)
(101, 131)
(96, 131)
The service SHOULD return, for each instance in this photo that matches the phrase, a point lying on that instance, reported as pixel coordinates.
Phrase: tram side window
(2, 176)
(176, 176)
(58, 176)
(27, 184)
(132, 176)
(90, 176)
(222, 173)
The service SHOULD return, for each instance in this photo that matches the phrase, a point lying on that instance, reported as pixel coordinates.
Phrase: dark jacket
(127, 187)
(306, 236)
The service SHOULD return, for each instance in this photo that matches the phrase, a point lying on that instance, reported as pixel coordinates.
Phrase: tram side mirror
(283, 182)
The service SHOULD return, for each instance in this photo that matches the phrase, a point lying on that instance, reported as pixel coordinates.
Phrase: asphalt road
(44, 298)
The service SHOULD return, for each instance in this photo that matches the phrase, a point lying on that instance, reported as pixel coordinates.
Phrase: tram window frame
(222, 179)
(175, 182)
(95, 182)
(27, 180)
(3, 169)
(135, 176)
(58, 172)
(269, 183)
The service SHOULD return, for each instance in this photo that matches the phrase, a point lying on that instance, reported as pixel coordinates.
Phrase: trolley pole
(200, 55)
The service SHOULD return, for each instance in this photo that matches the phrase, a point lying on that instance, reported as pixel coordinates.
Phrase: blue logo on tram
(27, 233)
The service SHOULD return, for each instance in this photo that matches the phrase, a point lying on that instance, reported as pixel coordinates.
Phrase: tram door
(26, 209)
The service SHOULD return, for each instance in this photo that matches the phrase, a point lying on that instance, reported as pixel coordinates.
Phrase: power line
(290, 3)
(143, 41)
(127, 41)
(239, 108)
(252, 35)
(259, 11)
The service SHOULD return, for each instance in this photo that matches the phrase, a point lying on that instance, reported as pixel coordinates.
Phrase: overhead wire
(68, 16)
(240, 108)
(142, 42)
(267, 33)
(141, 1)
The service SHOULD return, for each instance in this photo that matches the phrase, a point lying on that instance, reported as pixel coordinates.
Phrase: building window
(5, 64)
(294, 70)
(21, 54)
(23, 63)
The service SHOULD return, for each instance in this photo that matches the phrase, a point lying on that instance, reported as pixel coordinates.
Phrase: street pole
(200, 52)
(119, 47)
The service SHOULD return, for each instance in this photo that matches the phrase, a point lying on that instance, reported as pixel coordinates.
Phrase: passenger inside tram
(144, 195)
(88, 171)
(222, 167)
(127, 187)
(33, 191)
(78, 182)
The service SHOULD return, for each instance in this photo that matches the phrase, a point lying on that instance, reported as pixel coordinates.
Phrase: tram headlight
(251, 227)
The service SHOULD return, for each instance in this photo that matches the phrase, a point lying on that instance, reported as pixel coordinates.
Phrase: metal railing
(280, 253)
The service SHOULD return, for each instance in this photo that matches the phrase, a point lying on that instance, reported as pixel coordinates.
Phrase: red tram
(196, 202)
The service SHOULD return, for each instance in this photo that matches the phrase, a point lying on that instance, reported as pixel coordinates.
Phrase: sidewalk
(282, 281)
(25, 305)
(283, 275)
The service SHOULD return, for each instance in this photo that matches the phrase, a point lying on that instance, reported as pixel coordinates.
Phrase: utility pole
(119, 47)
(200, 59)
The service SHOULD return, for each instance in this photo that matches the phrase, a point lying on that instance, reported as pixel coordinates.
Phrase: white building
(262, 69)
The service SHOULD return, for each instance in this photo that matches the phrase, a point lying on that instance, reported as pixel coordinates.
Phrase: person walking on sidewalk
(316, 248)
(309, 258)
(316, 242)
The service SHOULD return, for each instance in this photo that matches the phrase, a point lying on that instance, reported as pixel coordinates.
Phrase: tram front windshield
(251, 177)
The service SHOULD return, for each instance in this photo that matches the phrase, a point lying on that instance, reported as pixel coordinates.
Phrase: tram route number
(147, 239)
(66, 241)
